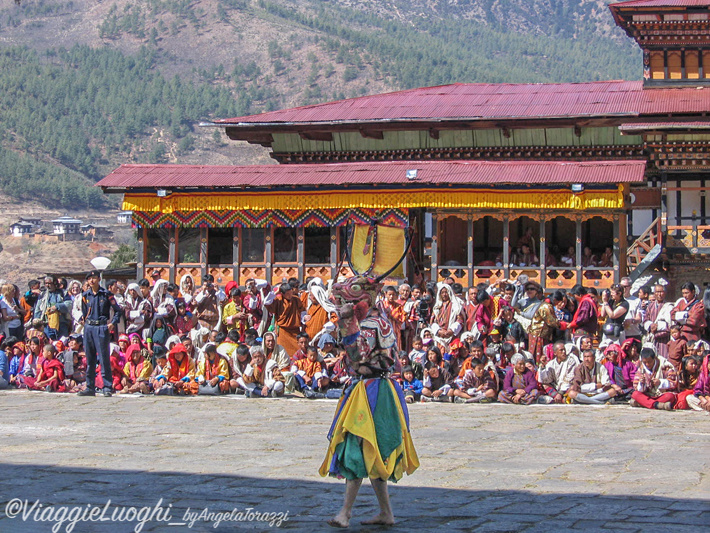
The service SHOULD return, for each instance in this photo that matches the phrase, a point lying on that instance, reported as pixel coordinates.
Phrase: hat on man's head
(93, 274)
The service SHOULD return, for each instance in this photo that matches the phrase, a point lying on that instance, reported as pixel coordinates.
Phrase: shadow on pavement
(310, 502)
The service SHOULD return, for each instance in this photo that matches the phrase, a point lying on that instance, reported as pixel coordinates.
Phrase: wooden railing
(642, 246)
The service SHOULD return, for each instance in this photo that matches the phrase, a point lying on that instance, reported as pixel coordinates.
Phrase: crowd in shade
(508, 342)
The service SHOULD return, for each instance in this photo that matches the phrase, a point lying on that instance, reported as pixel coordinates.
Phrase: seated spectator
(520, 385)
(158, 378)
(411, 386)
(310, 375)
(303, 340)
(701, 392)
(180, 371)
(213, 374)
(437, 381)
(621, 363)
(655, 382)
(556, 374)
(277, 353)
(263, 377)
(478, 384)
(340, 376)
(4, 365)
(239, 362)
(591, 383)
(138, 370)
(687, 380)
(50, 372)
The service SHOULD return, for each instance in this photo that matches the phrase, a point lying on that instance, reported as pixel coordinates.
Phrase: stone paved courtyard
(483, 468)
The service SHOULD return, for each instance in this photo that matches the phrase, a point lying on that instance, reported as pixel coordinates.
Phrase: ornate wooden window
(674, 65)
(657, 66)
(316, 246)
(252, 245)
(692, 64)
(220, 246)
(157, 245)
(188, 245)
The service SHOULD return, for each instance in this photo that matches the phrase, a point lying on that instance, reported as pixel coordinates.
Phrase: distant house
(35, 221)
(124, 217)
(66, 227)
(93, 231)
(22, 228)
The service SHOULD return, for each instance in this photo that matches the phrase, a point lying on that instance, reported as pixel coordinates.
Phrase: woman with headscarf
(138, 310)
(447, 316)
(187, 288)
(320, 311)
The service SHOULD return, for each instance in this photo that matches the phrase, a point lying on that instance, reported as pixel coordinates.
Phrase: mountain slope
(87, 85)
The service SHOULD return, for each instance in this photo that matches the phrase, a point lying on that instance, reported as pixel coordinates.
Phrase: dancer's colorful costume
(370, 435)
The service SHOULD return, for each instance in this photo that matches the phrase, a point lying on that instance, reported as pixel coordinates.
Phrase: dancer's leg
(385, 517)
(342, 519)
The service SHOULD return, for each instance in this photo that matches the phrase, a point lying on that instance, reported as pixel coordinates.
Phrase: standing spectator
(633, 319)
(689, 312)
(287, 309)
(658, 320)
(53, 309)
(97, 303)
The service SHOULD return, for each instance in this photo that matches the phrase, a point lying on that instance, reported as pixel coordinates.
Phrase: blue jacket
(4, 367)
(415, 386)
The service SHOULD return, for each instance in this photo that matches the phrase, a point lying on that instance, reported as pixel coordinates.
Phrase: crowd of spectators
(508, 342)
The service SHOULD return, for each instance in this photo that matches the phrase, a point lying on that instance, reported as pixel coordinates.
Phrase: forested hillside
(87, 85)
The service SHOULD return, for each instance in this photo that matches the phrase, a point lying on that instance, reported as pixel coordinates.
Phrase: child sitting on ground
(411, 386)
(309, 374)
(477, 385)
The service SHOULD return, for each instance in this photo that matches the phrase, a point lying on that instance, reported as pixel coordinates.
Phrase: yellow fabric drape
(390, 248)
(378, 199)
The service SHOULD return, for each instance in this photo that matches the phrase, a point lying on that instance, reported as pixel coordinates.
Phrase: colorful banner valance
(322, 201)
(293, 218)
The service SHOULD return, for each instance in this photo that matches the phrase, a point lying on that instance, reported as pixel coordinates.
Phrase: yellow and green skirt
(369, 437)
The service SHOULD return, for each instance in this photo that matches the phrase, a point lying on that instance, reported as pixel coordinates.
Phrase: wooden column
(578, 249)
(617, 248)
(506, 247)
(203, 252)
(470, 251)
(542, 248)
(141, 240)
(235, 255)
(300, 252)
(267, 252)
(435, 248)
(334, 259)
(172, 255)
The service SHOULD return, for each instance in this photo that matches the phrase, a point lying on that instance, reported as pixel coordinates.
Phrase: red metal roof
(661, 3)
(371, 173)
(480, 101)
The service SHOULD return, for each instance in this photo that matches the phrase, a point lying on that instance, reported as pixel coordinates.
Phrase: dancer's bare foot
(379, 520)
(340, 520)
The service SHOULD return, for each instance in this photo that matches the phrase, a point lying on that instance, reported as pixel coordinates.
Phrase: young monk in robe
(138, 370)
(50, 373)
(286, 309)
(213, 372)
(700, 398)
